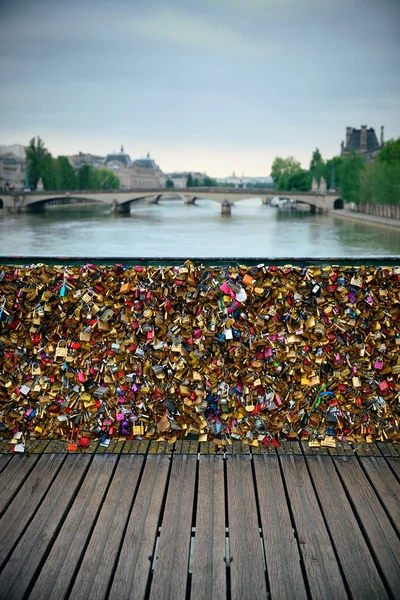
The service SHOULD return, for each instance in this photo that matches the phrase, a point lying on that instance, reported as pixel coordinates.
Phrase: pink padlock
(81, 377)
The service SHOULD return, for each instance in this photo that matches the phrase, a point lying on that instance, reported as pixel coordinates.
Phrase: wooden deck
(143, 520)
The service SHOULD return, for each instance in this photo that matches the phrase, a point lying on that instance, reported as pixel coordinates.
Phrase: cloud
(193, 30)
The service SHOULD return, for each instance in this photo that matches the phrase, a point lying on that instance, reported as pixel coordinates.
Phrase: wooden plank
(134, 565)
(395, 464)
(131, 447)
(246, 558)
(25, 503)
(171, 567)
(279, 538)
(97, 567)
(381, 536)
(56, 446)
(36, 446)
(386, 486)
(322, 570)
(209, 567)
(387, 448)
(14, 476)
(58, 570)
(4, 460)
(26, 559)
(143, 447)
(356, 561)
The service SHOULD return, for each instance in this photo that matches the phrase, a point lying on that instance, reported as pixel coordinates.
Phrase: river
(174, 229)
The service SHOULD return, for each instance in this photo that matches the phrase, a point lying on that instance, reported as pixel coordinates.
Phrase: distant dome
(121, 157)
(147, 163)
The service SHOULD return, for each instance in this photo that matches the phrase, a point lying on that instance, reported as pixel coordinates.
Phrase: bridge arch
(62, 201)
(338, 204)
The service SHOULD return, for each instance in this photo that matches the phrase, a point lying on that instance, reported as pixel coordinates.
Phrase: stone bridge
(120, 201)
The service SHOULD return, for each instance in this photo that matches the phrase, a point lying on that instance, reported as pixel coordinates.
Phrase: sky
(208, 85)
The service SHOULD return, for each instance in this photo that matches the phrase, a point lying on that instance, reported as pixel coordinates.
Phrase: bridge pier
(189, 199)
(226, 207)
(120, 209)
(266, 200)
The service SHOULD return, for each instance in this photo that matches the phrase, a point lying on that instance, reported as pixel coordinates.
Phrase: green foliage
(350, 177)
(380, 183)
(50, 173)
(105, 180)
(282, 169)
(225, 185)
(169, 184)
(35, 161)
(390, 153)
(90, 178)
(209, 182)
(189, 182)
(260, 185)
(58, 173)
(299, 181)
(357, 180)
(67, 175)
(335, 162)
(317, 167)
(85, 177)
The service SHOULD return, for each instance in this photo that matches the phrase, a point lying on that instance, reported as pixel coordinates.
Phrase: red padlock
(84, 442)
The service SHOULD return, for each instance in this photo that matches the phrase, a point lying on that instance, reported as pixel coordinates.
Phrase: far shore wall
(391, 211)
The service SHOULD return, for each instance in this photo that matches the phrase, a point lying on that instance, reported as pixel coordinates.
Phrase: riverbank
(350, 214)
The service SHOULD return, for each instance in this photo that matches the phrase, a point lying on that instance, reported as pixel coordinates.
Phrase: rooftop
(121, 157)
(355, 140)
(147, 162)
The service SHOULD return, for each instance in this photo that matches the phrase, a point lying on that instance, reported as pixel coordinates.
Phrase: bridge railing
(375, 261)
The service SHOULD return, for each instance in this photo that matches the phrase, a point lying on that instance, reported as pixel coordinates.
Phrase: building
(180, 179)
(80, 160)
(12, 167)
(17, 150)
(140, 173)
(245, 181)
(363, 141)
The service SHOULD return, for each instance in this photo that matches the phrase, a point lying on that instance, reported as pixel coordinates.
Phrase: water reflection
(172, 228)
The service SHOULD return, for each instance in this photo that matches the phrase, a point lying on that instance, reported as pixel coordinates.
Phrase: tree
(390, 153)
(196, 182)
(380, 183)
(68, 178)
(350, 177)
(189, 182)
(281, 170)
(169, 184)
(335, 162)
(34, 161)
(317, 166)
(105, 180)
(299, 181)
(50, 173)
(209, 182)
(85, 178)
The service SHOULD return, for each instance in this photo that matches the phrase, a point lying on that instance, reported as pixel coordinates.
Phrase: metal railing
(375, 261)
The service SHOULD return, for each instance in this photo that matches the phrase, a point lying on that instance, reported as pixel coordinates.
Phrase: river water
(174, 229)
